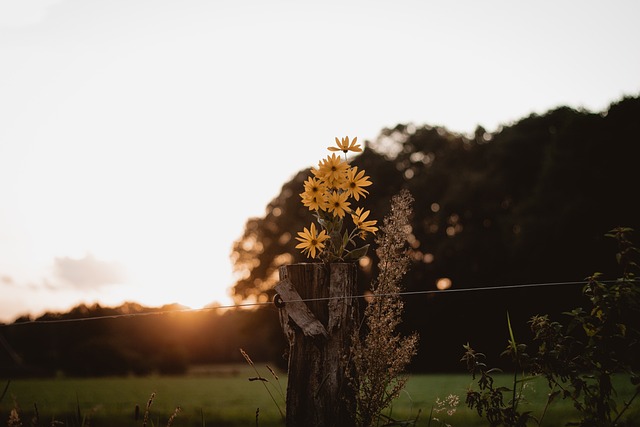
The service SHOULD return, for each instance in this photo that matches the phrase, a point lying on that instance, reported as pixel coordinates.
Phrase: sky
(138, 136)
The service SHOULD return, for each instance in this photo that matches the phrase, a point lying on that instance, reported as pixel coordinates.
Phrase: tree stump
(319, 334)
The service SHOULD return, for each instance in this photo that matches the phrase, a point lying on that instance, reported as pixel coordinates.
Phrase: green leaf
(514, 347)
(330, 257)
(356, 254)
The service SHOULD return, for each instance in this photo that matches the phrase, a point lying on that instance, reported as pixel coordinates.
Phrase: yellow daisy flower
(311, 241)
(313, 203)
(359, 220)
(338, 204)
(354, 183)
(345, 146)
(313, 196)
(332, 171)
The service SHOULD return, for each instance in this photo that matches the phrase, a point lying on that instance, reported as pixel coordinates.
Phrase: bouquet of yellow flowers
(327, 192)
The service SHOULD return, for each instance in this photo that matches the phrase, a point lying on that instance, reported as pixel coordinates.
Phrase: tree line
(136, 340)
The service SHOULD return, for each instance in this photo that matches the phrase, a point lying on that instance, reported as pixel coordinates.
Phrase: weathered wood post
(319, 335)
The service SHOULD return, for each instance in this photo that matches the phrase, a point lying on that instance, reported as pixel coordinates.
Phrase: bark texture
(318, 393)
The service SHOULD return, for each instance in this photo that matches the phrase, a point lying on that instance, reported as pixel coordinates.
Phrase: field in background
(224, 396)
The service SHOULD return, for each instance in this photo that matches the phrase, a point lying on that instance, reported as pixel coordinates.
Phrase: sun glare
(194, 280)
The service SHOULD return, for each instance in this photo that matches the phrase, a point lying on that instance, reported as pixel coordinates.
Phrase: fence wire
(268, 303)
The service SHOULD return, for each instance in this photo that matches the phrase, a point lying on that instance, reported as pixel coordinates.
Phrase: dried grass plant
(264, 382)
(14, 418)
(147, 410)
(379, 353)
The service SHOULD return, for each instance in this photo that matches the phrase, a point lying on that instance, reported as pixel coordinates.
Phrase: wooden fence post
(319, 334)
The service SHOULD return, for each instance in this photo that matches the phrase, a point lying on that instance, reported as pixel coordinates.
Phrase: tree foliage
(136, 340)
(528, 202)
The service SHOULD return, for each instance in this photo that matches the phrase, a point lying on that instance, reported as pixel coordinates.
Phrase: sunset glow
(138, 137)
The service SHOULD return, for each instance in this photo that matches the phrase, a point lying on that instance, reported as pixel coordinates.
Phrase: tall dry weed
(14, 418)
(173, 416)
(264, 382)
(147, 410)
(379, 353)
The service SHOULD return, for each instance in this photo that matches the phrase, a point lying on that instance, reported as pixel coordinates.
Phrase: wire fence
(268, 303)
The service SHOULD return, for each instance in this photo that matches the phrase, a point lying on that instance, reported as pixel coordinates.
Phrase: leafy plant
(578, 359)
(581, 358)
(489, 399)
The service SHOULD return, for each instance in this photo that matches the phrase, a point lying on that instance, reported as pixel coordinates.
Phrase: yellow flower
(355, 181)
(359, 220)
(338, 203)
(311, 241)
(313, 196)
(344, 145)
(327, 191)
(313, 203)
(332, 171)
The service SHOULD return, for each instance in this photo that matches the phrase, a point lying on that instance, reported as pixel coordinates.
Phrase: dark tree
(529, 203)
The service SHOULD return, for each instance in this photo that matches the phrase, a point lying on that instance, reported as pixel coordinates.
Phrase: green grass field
(223, 396)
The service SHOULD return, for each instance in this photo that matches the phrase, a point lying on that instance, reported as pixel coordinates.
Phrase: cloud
(20, 13)
(88, 272)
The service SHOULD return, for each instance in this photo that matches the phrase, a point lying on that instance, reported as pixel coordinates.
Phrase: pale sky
(137, 136)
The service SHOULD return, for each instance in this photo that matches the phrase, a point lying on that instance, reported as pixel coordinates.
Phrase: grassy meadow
(224, 396)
